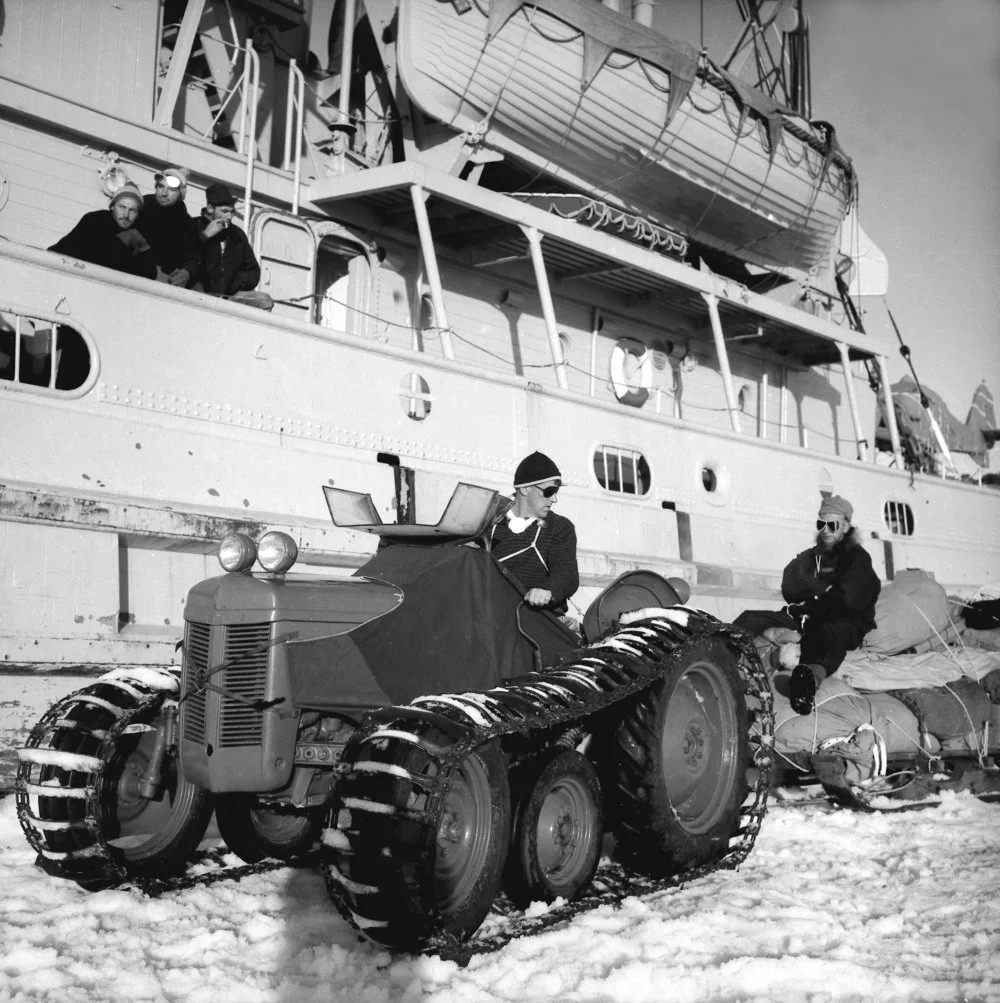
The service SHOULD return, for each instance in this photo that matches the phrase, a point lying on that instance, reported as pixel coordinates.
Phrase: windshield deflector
(470, 511)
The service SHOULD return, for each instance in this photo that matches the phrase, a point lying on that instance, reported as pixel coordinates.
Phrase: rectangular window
(898, 517)
(35, 352)
(623, 471)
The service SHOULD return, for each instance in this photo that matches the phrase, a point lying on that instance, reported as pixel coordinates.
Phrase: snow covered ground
(830, 906)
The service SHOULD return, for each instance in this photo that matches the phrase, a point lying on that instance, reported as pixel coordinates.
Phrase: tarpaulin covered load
(845, 717)
(912, 611)
(865, 671)
(959, 710)
(862, 726)
(458, 620)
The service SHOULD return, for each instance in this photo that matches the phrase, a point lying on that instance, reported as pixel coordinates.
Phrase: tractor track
(386, 813)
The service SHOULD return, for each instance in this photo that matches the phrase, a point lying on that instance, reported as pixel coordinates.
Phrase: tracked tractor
(440, 739)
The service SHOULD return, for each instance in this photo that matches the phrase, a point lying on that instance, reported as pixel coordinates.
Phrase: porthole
(715, 481)
(898, 518)
(622, 471)
(415, 396)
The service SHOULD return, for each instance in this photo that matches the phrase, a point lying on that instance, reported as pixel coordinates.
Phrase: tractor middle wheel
(559, 830)
(254, 832)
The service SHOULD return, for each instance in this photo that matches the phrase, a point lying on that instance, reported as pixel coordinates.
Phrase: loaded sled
(915, 712)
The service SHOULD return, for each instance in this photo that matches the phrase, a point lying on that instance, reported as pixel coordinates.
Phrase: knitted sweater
(552, 541)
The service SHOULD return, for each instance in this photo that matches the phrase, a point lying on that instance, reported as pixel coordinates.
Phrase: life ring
(634, 392)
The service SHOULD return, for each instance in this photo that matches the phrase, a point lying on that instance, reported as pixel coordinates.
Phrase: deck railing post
(251, 89)
(720, 348)
(293, 128)
(548, 311)
(762, 405)
(417, 196)
(595, 331)
(845, 361)
(890, 410)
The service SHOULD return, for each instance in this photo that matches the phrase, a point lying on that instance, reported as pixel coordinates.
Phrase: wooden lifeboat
(621, 113)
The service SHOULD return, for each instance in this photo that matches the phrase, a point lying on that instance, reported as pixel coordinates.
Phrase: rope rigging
(904, 351)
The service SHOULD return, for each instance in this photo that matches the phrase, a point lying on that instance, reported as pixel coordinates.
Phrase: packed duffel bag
(955, 711)
(911, 610)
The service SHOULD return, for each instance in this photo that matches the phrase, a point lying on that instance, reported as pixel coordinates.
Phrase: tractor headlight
(276, 552)
(237, 552)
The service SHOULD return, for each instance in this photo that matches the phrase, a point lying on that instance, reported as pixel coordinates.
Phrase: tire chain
(93, 865)
(621, 665)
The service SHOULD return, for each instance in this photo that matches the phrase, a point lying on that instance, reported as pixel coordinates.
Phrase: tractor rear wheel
(682, 759)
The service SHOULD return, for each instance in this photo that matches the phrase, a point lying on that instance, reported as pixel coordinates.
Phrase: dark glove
(798, 611)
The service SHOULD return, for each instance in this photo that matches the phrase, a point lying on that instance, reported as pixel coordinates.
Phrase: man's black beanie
(534, 469)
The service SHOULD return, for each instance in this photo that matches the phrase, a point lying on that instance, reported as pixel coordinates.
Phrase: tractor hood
(343, 603)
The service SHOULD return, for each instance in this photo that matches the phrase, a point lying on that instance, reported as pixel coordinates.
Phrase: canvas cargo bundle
(949, 712)
(848, 722)
(912, 611)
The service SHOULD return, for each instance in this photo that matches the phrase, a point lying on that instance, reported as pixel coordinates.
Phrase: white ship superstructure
(441, 311)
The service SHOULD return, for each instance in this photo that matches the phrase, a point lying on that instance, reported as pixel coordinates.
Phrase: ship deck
(488, 229)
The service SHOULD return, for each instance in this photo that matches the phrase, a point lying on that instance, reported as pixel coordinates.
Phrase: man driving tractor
(534, 544)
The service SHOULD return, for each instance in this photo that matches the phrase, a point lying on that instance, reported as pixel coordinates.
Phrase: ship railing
(294, 129)
(249, 87)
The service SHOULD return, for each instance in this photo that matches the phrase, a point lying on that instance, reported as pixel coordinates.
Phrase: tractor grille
(208, 717)
(240, 724)
(196, 637)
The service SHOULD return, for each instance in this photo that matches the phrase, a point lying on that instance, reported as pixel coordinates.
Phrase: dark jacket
(97, 238)
(228, 264)
(837, 584)
(556, 546)
(172, 235)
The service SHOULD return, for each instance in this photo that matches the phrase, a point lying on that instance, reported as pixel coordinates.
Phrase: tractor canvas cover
(455, 629)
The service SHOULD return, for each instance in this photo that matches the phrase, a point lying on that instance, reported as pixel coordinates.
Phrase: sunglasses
(167, 181)
(831, 524)
(550, 491)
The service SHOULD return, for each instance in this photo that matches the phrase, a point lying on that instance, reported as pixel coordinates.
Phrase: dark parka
(99, 239)
(836, 584)
(227, 269)
(172, 235)
(831, 599)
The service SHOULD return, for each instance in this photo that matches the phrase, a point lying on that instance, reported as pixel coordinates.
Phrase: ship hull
(201, 418)
(704, 167)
